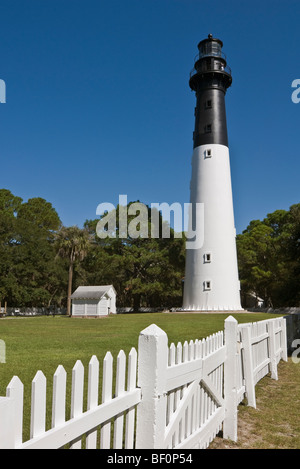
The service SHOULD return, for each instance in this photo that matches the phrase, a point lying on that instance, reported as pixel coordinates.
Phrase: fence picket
(214, 372)
(206, 399)
(283, 339)
(190, 409)
(120, 388)
(38, 405)
(177, 395)
(256, 355)
(248, 366)
(92, 403)
(59, 397)
(220, 372)
(185, 358)
(15, 391)
(202, 392)
(106, 396)
(196, 418)
(77, 397)
(272, 347)
(210, 351)
(170, 405)
(7, 437)
(230, 379)
(131, 385)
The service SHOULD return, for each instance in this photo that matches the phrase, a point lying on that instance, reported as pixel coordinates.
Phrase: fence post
(248, 366)
(272, 349)
(284, 339)
(152, 366)
(230, 379)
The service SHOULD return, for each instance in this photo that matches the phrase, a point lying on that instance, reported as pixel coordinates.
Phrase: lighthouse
(211, 272)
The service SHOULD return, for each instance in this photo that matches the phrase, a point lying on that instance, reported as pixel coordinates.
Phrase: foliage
(29, 272)
(144, 271)
(42, 262)
(269, 258)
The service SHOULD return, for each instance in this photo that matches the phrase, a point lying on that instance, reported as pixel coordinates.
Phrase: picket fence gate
(166, 397)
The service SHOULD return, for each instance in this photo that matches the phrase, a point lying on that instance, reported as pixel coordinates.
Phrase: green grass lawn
(43, 343)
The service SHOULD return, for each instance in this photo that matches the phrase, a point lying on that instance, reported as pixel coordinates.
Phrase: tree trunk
(70, 288)
(136, 302)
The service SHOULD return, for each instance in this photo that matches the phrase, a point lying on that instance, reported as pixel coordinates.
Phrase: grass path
(275, 423)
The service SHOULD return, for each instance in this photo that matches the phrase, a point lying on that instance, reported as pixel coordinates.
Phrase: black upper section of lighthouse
(210, 79)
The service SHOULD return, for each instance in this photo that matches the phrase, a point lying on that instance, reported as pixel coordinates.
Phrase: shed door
(103, 307)
(91, 307)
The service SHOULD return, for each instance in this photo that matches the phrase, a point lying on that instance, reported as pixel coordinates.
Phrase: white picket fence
(166, 397)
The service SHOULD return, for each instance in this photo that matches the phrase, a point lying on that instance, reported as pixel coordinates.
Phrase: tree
(40, 213)
(72, 243)
(28, 270)
(9, 205)
(145, 271)
(269, 257)
(36, 268)
(254, 259)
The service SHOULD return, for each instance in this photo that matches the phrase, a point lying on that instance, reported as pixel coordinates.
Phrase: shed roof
(95, 292)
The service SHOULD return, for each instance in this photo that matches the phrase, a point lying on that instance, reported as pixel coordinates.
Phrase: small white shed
(94, 301)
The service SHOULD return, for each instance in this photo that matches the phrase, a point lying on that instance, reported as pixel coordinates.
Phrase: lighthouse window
(207, 257)
(208, 104)
(208, 128)
(207, 285)
(208, 153)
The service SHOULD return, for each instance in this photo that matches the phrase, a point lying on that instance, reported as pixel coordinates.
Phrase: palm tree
(73, 244)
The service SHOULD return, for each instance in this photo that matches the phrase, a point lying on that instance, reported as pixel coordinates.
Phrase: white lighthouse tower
(211, 277)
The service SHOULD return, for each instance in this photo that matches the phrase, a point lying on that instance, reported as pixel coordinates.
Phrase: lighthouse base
(214, 311)
(230, 310)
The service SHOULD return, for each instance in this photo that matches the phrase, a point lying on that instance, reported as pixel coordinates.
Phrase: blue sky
(98, 102)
